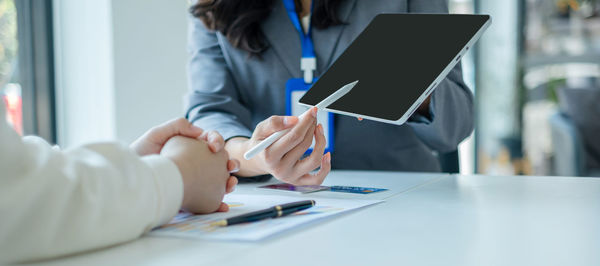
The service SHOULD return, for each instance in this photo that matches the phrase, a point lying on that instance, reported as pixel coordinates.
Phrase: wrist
(184, 178)
(236, 147)
(170, 187)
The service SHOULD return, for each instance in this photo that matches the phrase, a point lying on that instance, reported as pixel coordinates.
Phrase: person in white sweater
(54, 203)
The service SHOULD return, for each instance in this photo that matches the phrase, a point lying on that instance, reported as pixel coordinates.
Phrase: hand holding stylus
(321, 105)
(282, 158)
(274, 137)
(279, 147)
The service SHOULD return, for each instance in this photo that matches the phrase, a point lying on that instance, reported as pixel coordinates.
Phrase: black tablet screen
(395, 59)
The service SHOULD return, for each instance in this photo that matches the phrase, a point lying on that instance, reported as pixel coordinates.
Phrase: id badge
(295, 89)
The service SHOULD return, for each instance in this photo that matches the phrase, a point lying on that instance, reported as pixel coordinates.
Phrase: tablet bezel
(429, 89)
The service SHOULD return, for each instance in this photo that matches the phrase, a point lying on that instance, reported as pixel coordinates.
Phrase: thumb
(274, 124)
(175, 127)
(187, 129)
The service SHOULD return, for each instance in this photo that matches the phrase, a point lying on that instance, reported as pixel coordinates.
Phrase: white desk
(427, 219)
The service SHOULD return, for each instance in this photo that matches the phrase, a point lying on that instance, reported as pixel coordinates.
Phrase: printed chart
(198, 226)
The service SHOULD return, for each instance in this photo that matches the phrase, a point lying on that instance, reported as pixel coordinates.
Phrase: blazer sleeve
(214, 101)
(54, 203)
(451, 106)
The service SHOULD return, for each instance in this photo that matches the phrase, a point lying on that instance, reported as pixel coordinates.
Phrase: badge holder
(295, 89)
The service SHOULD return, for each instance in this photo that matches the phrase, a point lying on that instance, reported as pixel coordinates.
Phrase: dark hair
(239, 20)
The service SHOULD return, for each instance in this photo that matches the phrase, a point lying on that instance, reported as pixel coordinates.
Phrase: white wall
(150, 58)
(121, 67)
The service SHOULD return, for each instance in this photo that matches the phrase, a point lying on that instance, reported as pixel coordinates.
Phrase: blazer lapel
(327, 40)
(283, 38)
(285, 41)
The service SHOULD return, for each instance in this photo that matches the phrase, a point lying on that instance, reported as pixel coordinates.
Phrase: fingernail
(314, 112)
(328, 157)
(211, 137)
(236, 166)
(235, 169)
(321, 129)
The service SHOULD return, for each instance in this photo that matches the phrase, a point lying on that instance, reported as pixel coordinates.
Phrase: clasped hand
(204, 165)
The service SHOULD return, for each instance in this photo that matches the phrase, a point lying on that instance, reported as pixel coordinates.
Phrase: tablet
(399, 59)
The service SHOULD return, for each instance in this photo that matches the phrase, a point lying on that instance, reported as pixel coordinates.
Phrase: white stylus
(321, 105)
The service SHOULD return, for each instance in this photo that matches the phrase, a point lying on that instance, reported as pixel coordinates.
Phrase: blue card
(358, 190)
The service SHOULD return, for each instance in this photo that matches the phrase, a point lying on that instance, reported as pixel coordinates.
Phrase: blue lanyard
(308, 63)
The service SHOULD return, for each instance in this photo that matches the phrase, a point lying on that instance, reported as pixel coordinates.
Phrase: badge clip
(308, 65)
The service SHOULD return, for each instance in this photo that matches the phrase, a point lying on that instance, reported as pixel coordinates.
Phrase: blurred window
(9, 87)
(27, 66)
(561, 83)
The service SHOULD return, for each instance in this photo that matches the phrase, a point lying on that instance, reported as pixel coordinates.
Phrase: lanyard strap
(308, 63)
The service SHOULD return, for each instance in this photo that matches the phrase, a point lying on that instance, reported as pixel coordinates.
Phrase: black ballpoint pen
(272, 212)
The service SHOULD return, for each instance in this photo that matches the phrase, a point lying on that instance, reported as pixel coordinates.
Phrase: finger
(215, 141)
(273, 124)
(359, 118)
(184, 128)
(223, 207)
(153, 140)
(317, 178)
(313, 161)
(231, 183)
(291, 158)
(233, 166)
(204, 136)
(179, 126)
(295, 136)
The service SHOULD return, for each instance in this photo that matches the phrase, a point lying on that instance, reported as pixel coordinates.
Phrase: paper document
(198, 226)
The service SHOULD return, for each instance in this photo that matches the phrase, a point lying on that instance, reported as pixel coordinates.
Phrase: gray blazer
(231, 92)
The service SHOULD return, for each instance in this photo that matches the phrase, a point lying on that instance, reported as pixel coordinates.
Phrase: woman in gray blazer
(244, 52)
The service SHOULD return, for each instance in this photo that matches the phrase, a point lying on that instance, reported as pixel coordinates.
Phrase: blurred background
(76, 71)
